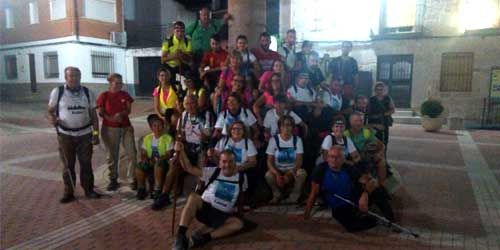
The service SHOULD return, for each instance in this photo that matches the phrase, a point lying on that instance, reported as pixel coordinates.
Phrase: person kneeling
(333, 178)
(215, 208)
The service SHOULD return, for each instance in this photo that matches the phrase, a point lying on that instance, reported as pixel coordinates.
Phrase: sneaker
(67, 198)
(93, 195)
(162, 201)
(180, 243)
(141, 194)
(197, 240)
(113, 185)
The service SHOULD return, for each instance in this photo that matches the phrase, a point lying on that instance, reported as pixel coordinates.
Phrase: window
(102, 10)
(332, 20)
(456, 71)
(11, 66)
(400, 14)
(50, 65)
(9, 18)
(57, 9)
(33, 9)
(102, 64)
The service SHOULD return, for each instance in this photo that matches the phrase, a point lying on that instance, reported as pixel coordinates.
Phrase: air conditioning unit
(119, 38)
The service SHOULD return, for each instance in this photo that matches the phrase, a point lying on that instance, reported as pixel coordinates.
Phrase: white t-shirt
(271, 120)
(194, 126)
(327, 144)
(302, 94)
(247, 55)
(333, 101)
(73, 110)
(239, 149)
(223, 193)
(284, 159)
(224, 123)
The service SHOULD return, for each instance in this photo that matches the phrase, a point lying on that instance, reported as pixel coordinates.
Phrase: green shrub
(431, 108)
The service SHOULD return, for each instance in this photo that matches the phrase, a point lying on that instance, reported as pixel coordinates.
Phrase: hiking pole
(384, 220)
(174, 189)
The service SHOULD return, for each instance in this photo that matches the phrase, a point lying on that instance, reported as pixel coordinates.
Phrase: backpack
(244, 111)
(59, 96)
(241, 180)
(227, 140)
(170, 40)
(307, 86)
(334, 142)
(278, 142)
(196, 26)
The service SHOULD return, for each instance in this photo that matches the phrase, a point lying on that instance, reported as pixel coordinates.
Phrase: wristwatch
(95, 132)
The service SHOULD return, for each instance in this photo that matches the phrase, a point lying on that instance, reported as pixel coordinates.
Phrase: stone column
(249, 18)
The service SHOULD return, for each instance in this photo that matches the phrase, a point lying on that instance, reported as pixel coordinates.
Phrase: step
(406, 119)
(403, 112)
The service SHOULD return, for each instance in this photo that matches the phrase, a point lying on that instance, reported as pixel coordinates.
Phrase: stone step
(406, 119)
(403, 112)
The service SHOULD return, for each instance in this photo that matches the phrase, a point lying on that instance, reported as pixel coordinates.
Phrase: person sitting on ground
(265, 79)
(332, 178)
(370, 148)
(213, 62)
(165, 95)
(155, 150)
(215, 208)
(194, 129)
(176, 51)
(273, 115)
(284, 162)
(268, 98)
(114, 106)
(264, 55)
(336, 137)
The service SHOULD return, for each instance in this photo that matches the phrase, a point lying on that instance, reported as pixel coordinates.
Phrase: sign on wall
(495, 82)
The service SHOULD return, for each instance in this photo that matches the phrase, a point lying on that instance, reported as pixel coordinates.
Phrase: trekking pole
(174, 190)
(384, 220)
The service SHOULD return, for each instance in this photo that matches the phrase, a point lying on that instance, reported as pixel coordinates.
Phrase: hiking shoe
(162, 201)
(93, 195)
(141, 194)
(113, 185)
(198, 239)
(67, 198)
(180, 243)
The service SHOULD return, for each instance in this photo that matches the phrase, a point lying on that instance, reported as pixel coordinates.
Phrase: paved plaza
(451, 197)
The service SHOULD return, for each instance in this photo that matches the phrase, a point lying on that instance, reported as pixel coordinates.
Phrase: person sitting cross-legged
(332, 178)
(215, 207)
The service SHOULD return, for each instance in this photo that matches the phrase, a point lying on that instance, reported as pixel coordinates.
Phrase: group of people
(245, 122)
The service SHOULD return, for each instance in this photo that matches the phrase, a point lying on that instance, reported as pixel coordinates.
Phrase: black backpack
(59, 96)
(277, 140)
(227, 140)
(241, 180)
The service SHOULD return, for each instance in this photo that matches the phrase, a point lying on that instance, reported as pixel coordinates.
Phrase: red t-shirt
(266, 59)
(114, 103)
(214, 59)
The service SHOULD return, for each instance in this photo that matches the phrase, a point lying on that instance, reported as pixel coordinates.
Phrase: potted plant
(431, 111)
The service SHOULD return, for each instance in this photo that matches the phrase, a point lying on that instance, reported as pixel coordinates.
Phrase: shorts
(211, 216)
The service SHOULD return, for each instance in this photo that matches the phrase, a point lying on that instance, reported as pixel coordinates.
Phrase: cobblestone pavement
(451, 197)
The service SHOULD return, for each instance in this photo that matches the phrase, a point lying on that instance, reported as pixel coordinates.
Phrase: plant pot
(431, 124)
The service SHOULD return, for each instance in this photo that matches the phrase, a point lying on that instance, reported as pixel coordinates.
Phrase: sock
(182, 230)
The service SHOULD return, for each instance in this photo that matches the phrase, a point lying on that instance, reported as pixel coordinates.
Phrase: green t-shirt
(200, 37)
(361, 139)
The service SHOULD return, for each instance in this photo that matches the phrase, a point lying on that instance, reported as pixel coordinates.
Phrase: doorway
(32, 72)
(396, 71)
(147, 75)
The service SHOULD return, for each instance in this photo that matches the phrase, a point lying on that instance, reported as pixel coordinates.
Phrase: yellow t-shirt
(183, 46)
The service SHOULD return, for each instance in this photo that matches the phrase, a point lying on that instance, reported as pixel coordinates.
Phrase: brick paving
(450, 197)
